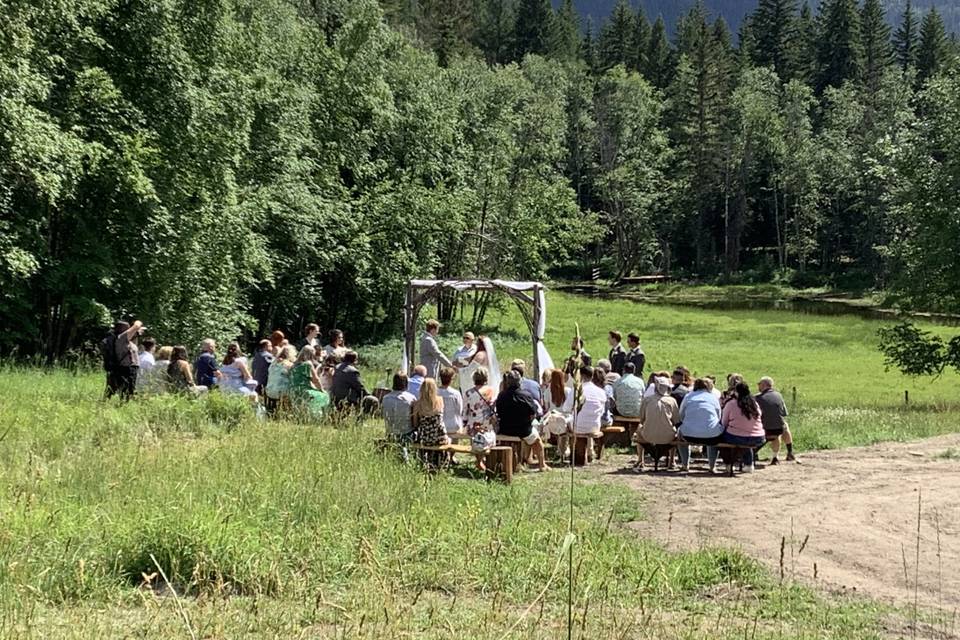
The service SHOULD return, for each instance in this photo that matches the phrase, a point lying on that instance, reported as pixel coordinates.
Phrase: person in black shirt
(516, 411)
(617, 357)
(682, 383)
(585, 359)
(636, 354)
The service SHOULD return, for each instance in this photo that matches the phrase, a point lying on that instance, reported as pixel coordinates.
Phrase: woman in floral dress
(479, 418)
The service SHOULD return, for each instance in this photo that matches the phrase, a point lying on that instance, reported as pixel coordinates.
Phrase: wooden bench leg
(499, 463)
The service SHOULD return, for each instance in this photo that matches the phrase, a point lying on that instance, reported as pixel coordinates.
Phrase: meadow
(180, 518)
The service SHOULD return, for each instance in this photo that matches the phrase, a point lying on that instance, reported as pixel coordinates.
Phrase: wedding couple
(468, 358)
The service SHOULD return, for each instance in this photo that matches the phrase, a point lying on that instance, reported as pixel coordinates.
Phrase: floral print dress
(479, 418)
(431, 431)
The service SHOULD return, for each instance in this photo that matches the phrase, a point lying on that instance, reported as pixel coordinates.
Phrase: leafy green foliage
(911, 350)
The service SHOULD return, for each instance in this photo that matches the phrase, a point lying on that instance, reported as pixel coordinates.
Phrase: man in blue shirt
(206, 367)
(416, 380)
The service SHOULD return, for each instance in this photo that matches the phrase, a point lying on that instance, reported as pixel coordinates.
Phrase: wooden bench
(625, 438)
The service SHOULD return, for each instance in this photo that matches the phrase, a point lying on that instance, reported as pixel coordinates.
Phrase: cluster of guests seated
(279, 375)
(673, 409)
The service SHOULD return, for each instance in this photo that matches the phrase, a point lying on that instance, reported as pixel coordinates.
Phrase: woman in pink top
(741, 421)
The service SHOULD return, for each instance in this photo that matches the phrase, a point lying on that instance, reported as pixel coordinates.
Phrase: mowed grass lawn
(280, 530)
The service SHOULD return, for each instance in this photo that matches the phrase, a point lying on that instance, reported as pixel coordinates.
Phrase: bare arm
(134, 329)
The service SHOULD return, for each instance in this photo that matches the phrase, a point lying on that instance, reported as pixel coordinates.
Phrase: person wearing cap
(431, 356)
(659, 415)
(527, 385)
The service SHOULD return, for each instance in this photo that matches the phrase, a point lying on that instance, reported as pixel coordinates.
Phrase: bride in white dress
(485, 356)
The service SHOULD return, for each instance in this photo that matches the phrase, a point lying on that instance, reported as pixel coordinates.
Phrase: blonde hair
(164, 353)
(429, 403)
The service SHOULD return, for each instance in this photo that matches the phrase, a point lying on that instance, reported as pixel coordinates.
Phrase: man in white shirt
(147, 361)
(589, 418)
(397, 408)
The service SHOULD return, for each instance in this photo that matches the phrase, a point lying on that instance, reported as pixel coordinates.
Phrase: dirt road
(852, 512)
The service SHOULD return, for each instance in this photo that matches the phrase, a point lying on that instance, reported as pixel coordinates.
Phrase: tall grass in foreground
(273, 529)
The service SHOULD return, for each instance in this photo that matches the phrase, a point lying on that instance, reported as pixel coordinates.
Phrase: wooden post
(499, 462)
(794, 404)
(906, 396)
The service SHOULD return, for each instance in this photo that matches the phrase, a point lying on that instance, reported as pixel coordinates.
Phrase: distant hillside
(734, 10)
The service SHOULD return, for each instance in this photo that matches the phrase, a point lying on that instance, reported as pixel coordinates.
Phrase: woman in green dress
(305, 384)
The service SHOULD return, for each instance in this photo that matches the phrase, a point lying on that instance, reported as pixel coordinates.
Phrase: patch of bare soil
(847, 520)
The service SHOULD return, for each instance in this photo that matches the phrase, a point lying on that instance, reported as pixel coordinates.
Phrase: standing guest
(428, 416)
(108, 352)
(585, 358)
(588, 420)
(516, 412)
(682, 381)
(277, 341)
(336, 346)
(744, 427)
(304, 387)
(617, 357)
(773, 411)
(261, 364)
(700, 423)
(207, 369)
(430, 355)
(478, 416)
(558, 404)
(416, 380)
(628, 392)
(398, 413)
(452, 402)
(179, 375)
(310, 333)
(235, 375)
(636, 354)
(277, 388)
(128, 358)
(659, 417)
(528, 385)
(147, 362)
(462, 359)
(347, 389)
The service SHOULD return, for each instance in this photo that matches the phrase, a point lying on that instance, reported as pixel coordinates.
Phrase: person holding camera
(127, 358)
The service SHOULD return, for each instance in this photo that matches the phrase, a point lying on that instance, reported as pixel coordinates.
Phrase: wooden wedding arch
(529, 297)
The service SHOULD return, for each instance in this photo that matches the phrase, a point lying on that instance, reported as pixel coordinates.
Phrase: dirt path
(856, 509)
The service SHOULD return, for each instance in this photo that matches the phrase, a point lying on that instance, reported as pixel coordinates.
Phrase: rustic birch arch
(529, 297)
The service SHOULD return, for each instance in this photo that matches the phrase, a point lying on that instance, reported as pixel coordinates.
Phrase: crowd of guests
(279, 375)
(671, 407)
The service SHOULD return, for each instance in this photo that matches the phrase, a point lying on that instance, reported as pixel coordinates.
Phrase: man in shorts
(773, 411)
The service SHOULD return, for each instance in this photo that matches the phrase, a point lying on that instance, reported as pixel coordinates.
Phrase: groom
(430, 355)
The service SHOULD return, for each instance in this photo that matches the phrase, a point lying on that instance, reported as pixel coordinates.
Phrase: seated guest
(305, 392)
(261, 364)
(741, 419)
(398, 413)
(207, 370)
(628, 392)
(700, 422)
(681, 380)
(478, 416)
(157, 380)
(559, 411)
(636, 354)
(335, 347)
(589, 419)
(146, 361)
(659, 417)
(773, 410)
(428, 416)
(277, 388)
(516, 412)
(617, 357)
(527, 385)
(600, 380)
(452, 402)
(651, 390)
(712, 386)
(416, 380)
(545, 377)
(179, 376)
(277, 342)
(733, 379)
(571, 364)
(347, 389)
(327, 370)
(310, 333)
(234, 375)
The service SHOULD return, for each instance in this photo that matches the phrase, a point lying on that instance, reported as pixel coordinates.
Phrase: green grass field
(287, 530)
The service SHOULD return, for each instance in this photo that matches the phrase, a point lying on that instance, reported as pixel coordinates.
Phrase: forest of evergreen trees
(221, 167)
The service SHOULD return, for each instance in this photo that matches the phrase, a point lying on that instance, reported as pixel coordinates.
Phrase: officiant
(462, 358)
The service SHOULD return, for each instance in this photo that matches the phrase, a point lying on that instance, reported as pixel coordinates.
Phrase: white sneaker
(749, 469)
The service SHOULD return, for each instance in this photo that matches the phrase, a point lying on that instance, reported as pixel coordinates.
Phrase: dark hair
(511, 380)
(265, 344)
(616, 336)
(233, 352)
(179, 354)
(335, 334)
(599, 377)
(120, 326)
(580, 340)
(400, 381)
(630, 368)
(446, 376)
(586, 371)
(276, 338)
(148, 344)
(746, 402)
(632, 337)
(684, 374)
(310, 328)
(701, 384)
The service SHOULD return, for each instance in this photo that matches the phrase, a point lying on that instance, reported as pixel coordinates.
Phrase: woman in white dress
(486, 357)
